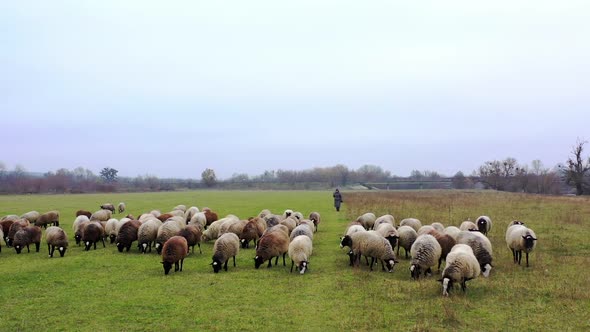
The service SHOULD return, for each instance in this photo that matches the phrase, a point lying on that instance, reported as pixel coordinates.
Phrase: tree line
(503, 175)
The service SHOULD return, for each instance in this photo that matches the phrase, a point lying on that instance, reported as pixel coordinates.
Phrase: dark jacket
(337, 198)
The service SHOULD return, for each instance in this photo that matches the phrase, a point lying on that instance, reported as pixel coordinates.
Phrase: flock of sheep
(172, 234)
(467, 251)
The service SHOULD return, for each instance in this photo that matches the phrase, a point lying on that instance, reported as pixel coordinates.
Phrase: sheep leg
(284, 264)
(28, 248)
(277, 261)
(513, 256)
(38, 244)
(398, 250)
(176, 267)
(428, 272)
(95, 245)
(181, 263)
(367, 260)
(292, 263)
(519, 256)
(52, 251)
(48, 249)
(234, 261)
(270, 262)
(372, 262)
(225, 265)
(199, 248)
(103, 245)
(527, 259)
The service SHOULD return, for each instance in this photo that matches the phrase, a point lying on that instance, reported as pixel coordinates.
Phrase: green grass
(108, 290)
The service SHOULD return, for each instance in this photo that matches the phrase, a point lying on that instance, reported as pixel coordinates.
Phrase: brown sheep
(174, 251)
(127, 234)
(108, 206)
(210, 216)
(31, 216)
(164, 217)
(272, 244)
(15, 227)
(26, 236)
(252, 231)
(315, 217)
(56, 237)
(51, 217)
(446, 244)
(5, 224)
(91, 234)
(83, 213)
(192, 234)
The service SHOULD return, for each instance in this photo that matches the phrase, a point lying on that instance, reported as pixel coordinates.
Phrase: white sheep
(109, 229)
(407, 236)
(56, 237)
(190, 212)
(425, 253)
(519, 238)
(438, 226)
(147, 234)
(287, 213)
(468, 225)
(165, 232)
(180, 207)
(461, 267)
(121, 207)
(388, 232)
(101, 215)
(425, 229)
(300, 249)
(354, 228)
(412, 222)
(367, 220)
(453, 231)
(386, 218)
(199, 218)
(484, 224)
(370, 244)
(482, 249)
(226, 246)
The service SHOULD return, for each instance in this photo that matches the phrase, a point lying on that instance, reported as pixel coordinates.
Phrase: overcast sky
(170, 88)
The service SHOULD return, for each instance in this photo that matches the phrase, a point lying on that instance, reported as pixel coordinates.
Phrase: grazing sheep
(79, 228)
(425, 253)
(316, 218)
(5, 227)
(287, 213)
(252, 231)
(273, 243)
(290, 222)
(174, 251)
(107, 206)
(468, 226)
(199, 218)
(12, 217)
(211, 216)
(354, 228)
(302, 230)
(83, 213)
(384, 219)
(121, 207)
(51, 217)
(192, 234)
(188, 215)
(91, 234)
(164, 217)
(425, 229)
(438, 226)
(308, 223)
(177, 219)
(127, 234)
(177, 213)
(156, 213)
(367, 220)
(225, 247)
(482, 249)
(56, 237)
(407, 236)
(180, 207)
(446, 244)
(147, 234)
(298, 216)
(101, 215)
(388, 232)
(412, 222)
(519, 238)
(300, 249)
(1, 237)
(233, 226)
(31, 216)
(484, 224)
(453, 231)
(110, 229)
(264, 213)
(461, 267)
(214, 230)
(165, 232)
(515, 222)
(369, 244)
(26, 236)
(14, 228)
(271, 220)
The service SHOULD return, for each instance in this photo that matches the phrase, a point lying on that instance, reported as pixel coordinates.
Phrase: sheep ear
(534, 239)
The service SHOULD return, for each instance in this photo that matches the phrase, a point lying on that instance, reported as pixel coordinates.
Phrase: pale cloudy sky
(172, 87)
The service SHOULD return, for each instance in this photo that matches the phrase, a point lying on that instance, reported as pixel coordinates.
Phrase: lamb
(121, 207)
(110, 229)
(226, 246)
(519, 238)
(192, 234)
(407, 236)
(252, 231)
(147, 233)
(188, 215)
(91, 234)
(367, 220)
(302, 230)
(31, 216)
(482, 249)
(300, 249)
(174, 251)
(386, 218)
(412, 222)
(101, 215)
(468, 226)
(425, 252)
(388, 232)
(165, 232)
(316, 218)
(56, 237)
(51, 217)
(370, 244)
(83, 213)
(484, 224)
(26, 236)
(446, 244)
(461, 267)
(453, 231)
(273, 243)
(107, 206)
(127, 234)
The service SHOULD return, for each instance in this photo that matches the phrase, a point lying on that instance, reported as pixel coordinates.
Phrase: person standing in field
(337, 199)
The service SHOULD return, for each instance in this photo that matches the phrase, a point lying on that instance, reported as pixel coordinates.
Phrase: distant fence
(442, 183)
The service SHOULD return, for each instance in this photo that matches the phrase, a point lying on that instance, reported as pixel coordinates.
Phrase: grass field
(107, 290)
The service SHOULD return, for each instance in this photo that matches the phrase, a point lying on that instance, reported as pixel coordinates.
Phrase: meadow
(104, 290)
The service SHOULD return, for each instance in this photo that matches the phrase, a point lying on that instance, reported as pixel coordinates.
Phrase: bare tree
(576, 168)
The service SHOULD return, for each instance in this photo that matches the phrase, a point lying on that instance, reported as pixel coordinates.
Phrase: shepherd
(337, 199)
